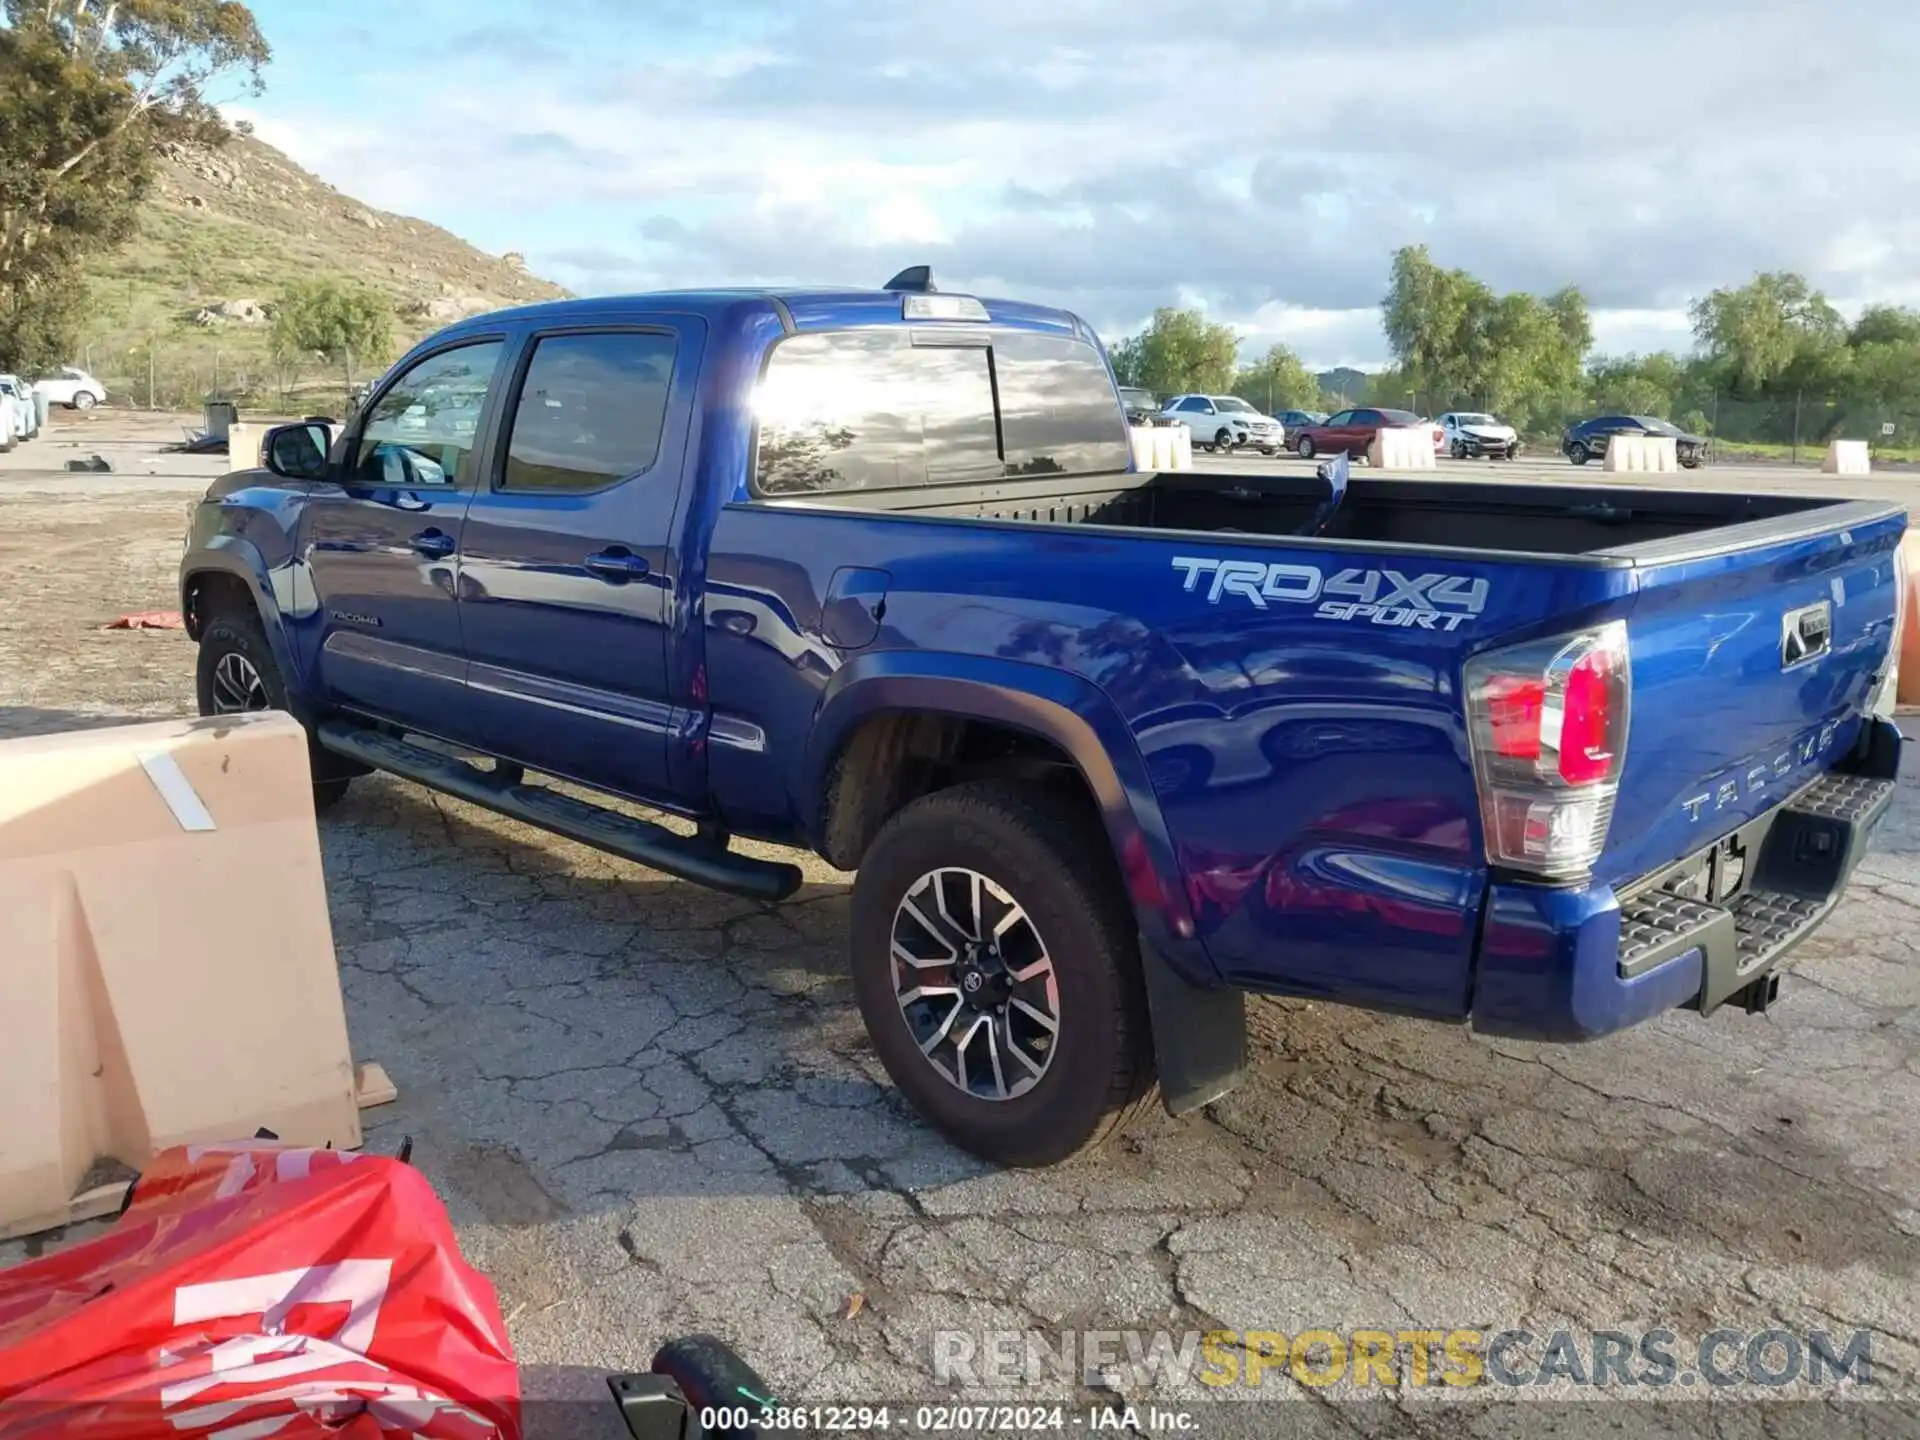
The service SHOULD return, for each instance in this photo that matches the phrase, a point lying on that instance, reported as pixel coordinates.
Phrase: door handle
(616, 565)
(434, 544)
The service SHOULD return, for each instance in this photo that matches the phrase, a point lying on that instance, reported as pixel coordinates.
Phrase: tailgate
(1751, 669)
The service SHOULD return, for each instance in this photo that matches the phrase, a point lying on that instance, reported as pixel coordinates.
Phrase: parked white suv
(1469, 434)
(1220, 422)
(18, 419)
(72, 387)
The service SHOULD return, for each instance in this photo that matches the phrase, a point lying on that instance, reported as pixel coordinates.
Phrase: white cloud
(1263, 166)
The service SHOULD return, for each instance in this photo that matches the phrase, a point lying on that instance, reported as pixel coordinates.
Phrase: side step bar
(654, 846)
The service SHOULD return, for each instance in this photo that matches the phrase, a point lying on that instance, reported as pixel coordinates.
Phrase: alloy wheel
(237, 686)
(975, 984)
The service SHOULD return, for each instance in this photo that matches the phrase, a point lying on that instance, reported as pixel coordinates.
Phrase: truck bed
(1604, 524)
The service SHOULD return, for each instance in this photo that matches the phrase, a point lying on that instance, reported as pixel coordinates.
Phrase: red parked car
(1349, 432)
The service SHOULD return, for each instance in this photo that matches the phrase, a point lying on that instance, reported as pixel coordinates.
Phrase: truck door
(568, 579)
(380, 539)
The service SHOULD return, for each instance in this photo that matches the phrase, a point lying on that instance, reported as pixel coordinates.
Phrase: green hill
(222, 235)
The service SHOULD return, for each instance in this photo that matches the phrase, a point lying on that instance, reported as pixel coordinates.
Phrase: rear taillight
(1548, 722)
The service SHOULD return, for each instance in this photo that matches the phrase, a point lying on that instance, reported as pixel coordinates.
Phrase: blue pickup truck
(872, 574)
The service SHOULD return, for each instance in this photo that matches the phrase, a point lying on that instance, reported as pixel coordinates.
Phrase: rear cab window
(897, 408)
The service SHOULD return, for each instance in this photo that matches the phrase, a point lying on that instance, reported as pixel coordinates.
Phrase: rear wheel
(85, 400)
(1578, 452)
(1305, 448)
(236, 674)
(998, 972)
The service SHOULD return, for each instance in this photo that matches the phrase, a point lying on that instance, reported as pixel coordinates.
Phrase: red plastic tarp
(148, 620)
(259, 1290)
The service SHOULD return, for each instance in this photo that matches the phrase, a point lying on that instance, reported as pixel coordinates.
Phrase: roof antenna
(917, 279)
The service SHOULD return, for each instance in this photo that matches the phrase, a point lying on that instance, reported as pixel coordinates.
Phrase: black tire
(1513, 451)
(238, 632)
(713, 1377)
(1458, 450)
(1304, 449)
(1046, 851)
(1223, 442)
(1578, 452)
(84, 400)
(1269, 449)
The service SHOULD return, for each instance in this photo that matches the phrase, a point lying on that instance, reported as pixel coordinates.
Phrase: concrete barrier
(167, 972)
(1656, 453)
(1847, 457)
(243, 444)
(1161, 447)
(1140, 437)
(1401, 448)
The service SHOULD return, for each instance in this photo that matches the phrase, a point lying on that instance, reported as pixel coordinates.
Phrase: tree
(89, 92)
(1458, 343)
(1775, 331)
(1885, 325)
(1278, 381)
(38, 322)
(1635, 385)
(1433, 319)
(336, 320)
(1180, 351)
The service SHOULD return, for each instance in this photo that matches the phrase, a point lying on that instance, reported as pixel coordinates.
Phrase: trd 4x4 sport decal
(1380, 597)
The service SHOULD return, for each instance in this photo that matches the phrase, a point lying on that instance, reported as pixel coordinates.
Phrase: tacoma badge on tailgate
(1803, 752)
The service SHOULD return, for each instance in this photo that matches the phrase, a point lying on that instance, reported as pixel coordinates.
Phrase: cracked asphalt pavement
(652, 1109)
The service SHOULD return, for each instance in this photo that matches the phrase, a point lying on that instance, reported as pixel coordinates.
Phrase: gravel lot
(652, 1108)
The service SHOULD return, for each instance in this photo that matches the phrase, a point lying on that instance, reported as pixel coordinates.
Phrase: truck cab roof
(800, 309)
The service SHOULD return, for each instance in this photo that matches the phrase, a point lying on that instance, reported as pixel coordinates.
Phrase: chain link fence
(184, 377)
(1797, 428)
(1801, 426)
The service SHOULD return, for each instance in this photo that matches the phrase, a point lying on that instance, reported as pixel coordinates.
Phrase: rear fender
(1199, 1026)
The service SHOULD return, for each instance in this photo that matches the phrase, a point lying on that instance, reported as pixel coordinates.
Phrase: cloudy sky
(1259, 159)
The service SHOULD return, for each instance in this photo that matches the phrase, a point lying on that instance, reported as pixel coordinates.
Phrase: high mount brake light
(942, 307)
(1548, 722)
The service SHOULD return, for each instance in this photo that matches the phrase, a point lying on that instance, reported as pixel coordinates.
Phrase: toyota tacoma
(871, 574)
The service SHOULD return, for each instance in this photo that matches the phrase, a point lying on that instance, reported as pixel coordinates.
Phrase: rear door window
(1057, 411)
(590, 411)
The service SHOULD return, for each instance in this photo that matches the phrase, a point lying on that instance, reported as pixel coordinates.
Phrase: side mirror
(298, 452)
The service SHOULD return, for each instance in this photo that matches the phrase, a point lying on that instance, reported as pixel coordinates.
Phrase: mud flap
(1199, 1035)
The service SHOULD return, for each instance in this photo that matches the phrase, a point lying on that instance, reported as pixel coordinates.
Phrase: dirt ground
(651, 1109)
